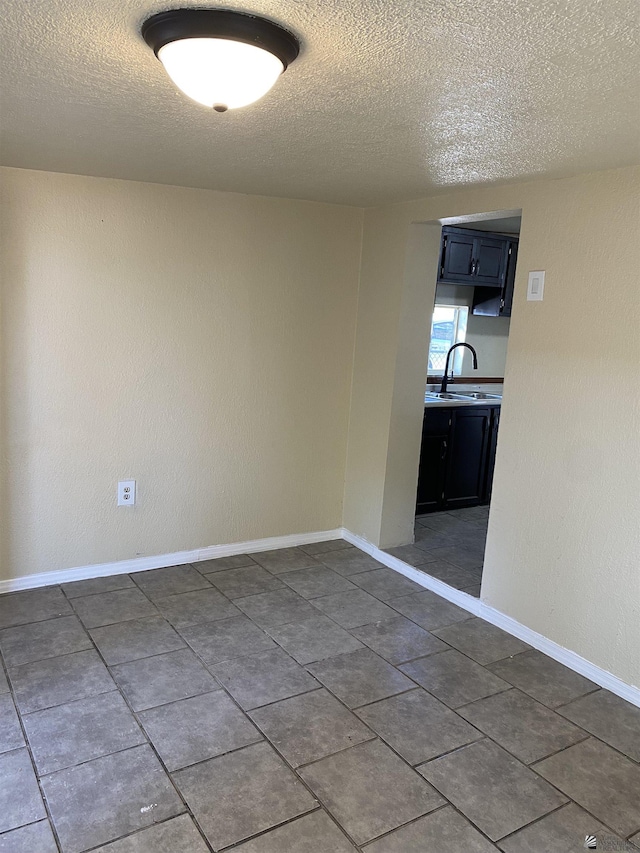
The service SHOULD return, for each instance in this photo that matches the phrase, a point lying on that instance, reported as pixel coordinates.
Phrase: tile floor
(306, 700)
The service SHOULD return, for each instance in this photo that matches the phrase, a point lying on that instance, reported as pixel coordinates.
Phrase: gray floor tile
(426, 538)
(236, 583)
(314, 639)
(443, 522)
(410, 554)
(229, 638)
(474, 590)
(358, 678)
(242, 793)
(481, 641)
(32, 605)
(178, 835)
(399, 640)
(284, 560)
(195, 729)
(543, 678)
(10, 731)
(172, 580)
(134, 792)
(471, 513)
(276, 608)
(609, 718)
(314, 582)
(453, 678)
(107, 608)
(600, 780)
(308, 727)
(369, 790)
(191, 608)
(429, 610)
(40, 640)
(255, 680)
(34, 838)
(221, 564)
(4, 684)
(417, 726)
(462, 556)
(490, 787)
(316, 548)
(56, 681)
(79, 731)
(313, 833)
(444, 831)
(164, 678)
(524, 727)
(386, 584)
(93, 586)
(563, 831)
(137, 638)
(636, 840)
(448, 573)
(354, 608)
(351, 562)
(20, 800)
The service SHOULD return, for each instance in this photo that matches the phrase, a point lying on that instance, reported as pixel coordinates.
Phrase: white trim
(178, 558)
(478, 608)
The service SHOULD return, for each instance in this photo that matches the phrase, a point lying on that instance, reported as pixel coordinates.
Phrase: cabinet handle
(443, 455)
(477, 268)
(473, 267)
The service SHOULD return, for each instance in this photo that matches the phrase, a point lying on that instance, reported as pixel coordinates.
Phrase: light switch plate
(535, 286)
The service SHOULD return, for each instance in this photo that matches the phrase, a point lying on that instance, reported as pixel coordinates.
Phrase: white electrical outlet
(535, 286)
(126, 493)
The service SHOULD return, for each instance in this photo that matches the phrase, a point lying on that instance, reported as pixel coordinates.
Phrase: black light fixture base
(178, 24)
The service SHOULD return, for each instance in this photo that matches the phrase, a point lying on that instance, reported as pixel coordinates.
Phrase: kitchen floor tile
(93, 586)
(229, 638)
(358, 678)
(314, 582)
(164, 678)
(386, 584)
(524, 727)
(32, 605)
(429, 610)
(177, 835)
(33, 838)
(308, 727)
(20, 800)
(313, 833)
(159, 583)
(609, 718)
(191, 608)
(137, 638)
(399, 640)
(448, 573)
(600, 780)
(563, 831)
(443, 522)
(255, 680)
(410, 554)
(236, 583)
(426, 538)
(196, 729)
(543, 678)
(491, 788)
(351, 562)
(444, 831)
(417, 726)
(284, 560)
(10, 731)
(134, 792)
(276, 608)
(106, 608)
(314, 639)
(369, 790)
(316, 548)
(39, 640)
(454, 678)
(4, 684)
(79, 731)
(354, 608)
(56, 681)
(481, 641)
(242, 793)
(221, 564)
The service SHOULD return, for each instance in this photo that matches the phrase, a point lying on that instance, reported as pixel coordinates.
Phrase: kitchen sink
(440, 396)
(480, 395)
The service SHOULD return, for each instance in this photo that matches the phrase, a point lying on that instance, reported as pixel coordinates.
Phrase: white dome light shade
(220, 72)
(220, 58)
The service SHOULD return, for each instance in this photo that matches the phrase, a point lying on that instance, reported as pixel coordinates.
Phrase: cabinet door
(490, 255)
(435, 437)
(491, 453)
(457, 261)
(507, 292)
(465, 475)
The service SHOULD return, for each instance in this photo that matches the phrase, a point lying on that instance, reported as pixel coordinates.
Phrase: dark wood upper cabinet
(491, 302)
(473, 257)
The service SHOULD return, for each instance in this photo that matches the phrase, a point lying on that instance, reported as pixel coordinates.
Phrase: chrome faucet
(443, 386)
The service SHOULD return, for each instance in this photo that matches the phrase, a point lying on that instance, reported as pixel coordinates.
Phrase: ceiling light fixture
(220, 59)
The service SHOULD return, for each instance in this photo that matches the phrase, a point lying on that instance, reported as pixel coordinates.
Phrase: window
(448, 327)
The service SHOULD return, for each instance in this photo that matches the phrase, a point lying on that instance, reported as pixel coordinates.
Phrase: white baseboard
(478, 608)
(160, 561)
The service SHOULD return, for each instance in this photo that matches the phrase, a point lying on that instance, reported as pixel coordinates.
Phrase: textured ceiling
(388, 101)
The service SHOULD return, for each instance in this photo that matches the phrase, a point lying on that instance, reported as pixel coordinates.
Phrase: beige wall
(199, 342)
(563, 550)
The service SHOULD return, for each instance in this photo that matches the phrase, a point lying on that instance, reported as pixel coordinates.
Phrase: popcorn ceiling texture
(389, 100)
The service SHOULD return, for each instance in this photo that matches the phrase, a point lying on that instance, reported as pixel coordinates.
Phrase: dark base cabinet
(457, 457)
